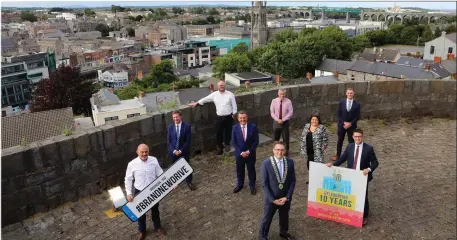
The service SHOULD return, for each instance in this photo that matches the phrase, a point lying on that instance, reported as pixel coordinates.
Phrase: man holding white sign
(360, 156)
(144, 169)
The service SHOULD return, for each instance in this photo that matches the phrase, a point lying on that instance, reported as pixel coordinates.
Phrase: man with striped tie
(178, 139)
(360, 156)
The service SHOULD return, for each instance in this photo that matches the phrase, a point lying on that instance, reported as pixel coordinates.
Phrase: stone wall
(49, 173)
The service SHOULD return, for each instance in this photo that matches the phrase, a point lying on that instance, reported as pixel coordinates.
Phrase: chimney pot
(309, 76)
(248, 84)
(336, 74)
(427, 67)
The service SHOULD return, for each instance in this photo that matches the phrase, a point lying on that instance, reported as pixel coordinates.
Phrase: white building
(114, 79)
(441, 48)
(67, 16)
(108, 107)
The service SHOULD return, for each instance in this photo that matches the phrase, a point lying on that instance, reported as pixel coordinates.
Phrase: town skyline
(82, 4)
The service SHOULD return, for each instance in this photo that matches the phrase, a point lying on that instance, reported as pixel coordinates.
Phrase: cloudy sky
(104, 3)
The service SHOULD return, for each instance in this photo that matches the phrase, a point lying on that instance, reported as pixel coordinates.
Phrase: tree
(199, 22)
(116, 9)
(130, 32)
(240, 48)
(28, 16)
(377, 37)
(103, 28)
(159, 73)
(437, 32)
(231, 63)
(451, 28)
(360, 42)
(211, 19)
(177, 10)
(143, 9)
(89, 12)
(427, 35)
(138, 18)
(213, 11)
(197, 10)
(160, 12)
(285, 35)
(65, 87)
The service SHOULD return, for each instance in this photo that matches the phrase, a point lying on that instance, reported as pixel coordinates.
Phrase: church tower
(259, 31)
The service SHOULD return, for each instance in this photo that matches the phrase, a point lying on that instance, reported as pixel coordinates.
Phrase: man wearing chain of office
(278, 183)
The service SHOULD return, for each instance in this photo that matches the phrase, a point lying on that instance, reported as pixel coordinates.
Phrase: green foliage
(231, 63)
(28, 16)
(199, 22)
(360, 42)
(252, 89)
(103, 28)
(177, 10)
(377, 37)
(437, 31)
(89, 12)
(160, 73)
(213, 11)
(67, 131)
(168, 105)
(240, 48)
(24, 141)
(130, 32)
(197, 10)
(96, 86)
(286, 35)
(138, 18)
(450, 29)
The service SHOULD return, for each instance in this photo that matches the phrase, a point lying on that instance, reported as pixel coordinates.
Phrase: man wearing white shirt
(226, 110)
(361, 157)
(144, 170)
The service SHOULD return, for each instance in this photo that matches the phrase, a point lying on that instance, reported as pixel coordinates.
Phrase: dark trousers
(341, 133)
(175, 158)
(269, 211)
(155, 216)
(240, 171)
(366, 209)
(310, 158)
(224, 127)
(282, 130)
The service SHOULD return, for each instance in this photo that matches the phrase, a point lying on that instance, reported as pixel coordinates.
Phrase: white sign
(157, 190)
(336, 194)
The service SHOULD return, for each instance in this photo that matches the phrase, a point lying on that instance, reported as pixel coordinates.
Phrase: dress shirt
(360, 154)
(245, 135)
(144, 173)
(349, 103)
(179, 124)
(280, 164)
(225, 102)
(287, 109)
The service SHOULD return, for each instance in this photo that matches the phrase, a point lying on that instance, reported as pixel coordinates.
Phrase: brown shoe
(191, 186)
(141, 236)
(334, 158)
(365, 221)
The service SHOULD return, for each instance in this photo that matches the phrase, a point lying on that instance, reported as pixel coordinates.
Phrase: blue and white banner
(157, 190)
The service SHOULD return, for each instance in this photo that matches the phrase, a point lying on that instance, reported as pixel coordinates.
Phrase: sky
(103, 3)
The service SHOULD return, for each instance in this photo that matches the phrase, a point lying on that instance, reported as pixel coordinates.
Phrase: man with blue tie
(361, 157)
(278, 183)
(348, 115)
(245, 139)
(178, 139)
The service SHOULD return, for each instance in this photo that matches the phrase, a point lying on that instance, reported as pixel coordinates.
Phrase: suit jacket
(367, 160)
(348, 116)
(184, 140)
(252, 139)
(270, 184)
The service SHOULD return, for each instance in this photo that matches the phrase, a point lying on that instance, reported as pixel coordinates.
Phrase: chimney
(374, 49)
(443, 34)
(211, 87)
(427, 67)
(437, 59)
(450, 56)
(141, 96)
(111, 90)
(309, 76)
(278, 80)
(335, 74)
(247, 84)
(402, 76)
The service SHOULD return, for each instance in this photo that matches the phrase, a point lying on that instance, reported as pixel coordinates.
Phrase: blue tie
(177, 136)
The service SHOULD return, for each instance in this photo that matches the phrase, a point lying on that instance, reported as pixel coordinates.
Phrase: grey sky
(430, 4)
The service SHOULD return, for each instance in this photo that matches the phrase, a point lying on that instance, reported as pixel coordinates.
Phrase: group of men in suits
(278, 171)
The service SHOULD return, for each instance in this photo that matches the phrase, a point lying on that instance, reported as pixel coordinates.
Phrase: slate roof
(439, 70)
(380, 54)
(324, 80)
(333, 65)
(35, 126)
(392, 70)
(449, 65)
(413, 62)
(452, 37)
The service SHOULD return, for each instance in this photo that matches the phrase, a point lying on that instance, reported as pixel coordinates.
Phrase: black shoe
(219, 152)
(286, 236)
(253, 191)
(191, 186)
(237, 189)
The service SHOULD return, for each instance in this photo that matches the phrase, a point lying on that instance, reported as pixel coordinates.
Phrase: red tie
(244, 135)
(280, 110)
(356, 157)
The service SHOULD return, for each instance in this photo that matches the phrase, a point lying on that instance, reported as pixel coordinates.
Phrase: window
(35, 65)
(432, 49)
(35, 75)
(449, 50)
(132, 115)
(10, 91)
(3, 112)
(17, 88)
(4, 101)
(19, 97)
(12, 99)
(111, 118)
(322, 73)
(3, 91)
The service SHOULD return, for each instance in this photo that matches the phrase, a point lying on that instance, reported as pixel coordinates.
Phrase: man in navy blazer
(348, 115)
(278, 183)
(360, 156)
(245, 139)
(178, 140)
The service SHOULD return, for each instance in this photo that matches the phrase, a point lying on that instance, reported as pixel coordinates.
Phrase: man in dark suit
(178, 139)
(360, 156)
(278, 183)
(348, 115)
(245, 139)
